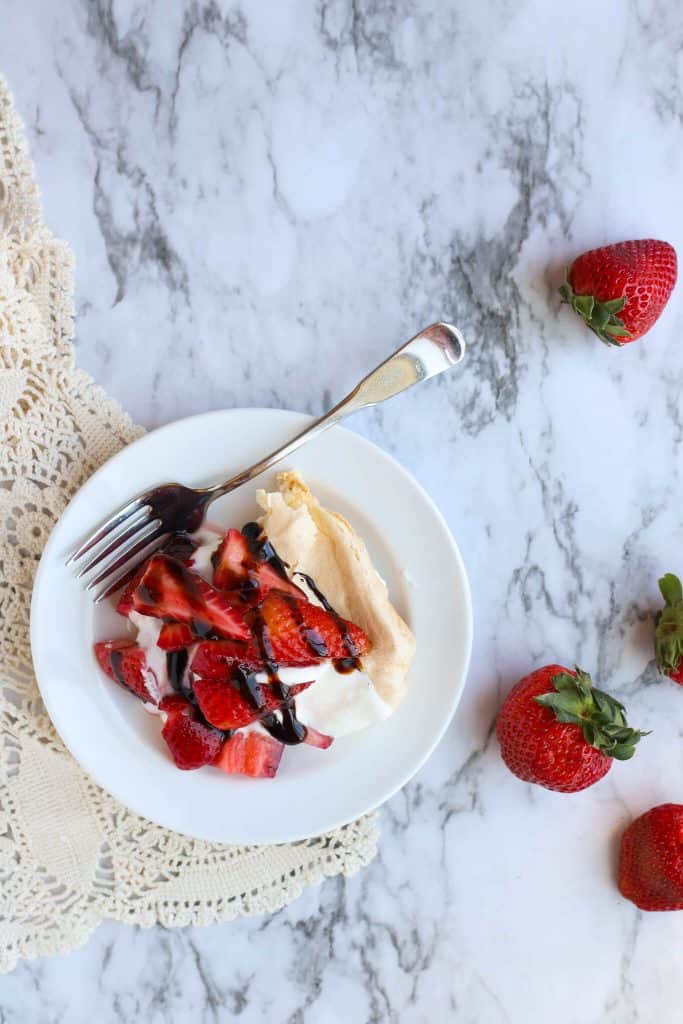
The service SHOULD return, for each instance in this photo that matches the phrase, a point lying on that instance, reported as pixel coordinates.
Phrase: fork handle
(437, 348)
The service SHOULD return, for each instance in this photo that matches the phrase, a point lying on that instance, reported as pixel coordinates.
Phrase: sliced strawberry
(126, 664)
(230, 560)
(174, 636)
(297, 632)
(168, 589)
(223, 705)
(252, 754)
(235, 566)
(270, 579)
(125, 603)
(317, 739)
(192, 743)
(216, 659)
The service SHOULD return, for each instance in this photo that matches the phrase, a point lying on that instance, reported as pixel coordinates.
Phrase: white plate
(119, 744)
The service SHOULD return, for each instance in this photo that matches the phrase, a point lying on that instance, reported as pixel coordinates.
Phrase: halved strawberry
(173, 636)
(223, 705)
(299, 632)
(235, 565)
(317, 739)
(125, 603)
(168, 589)
(126, 664)
(216, 659)
(252, 754)
(191, 742)
(270, 579)
(230, 560)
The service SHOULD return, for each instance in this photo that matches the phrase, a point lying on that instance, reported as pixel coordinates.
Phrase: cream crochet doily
(70, 855)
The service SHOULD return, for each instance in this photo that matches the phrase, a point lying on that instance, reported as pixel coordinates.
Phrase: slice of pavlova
(330, 562)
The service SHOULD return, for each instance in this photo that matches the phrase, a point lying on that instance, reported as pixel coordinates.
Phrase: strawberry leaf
(669, 626)
(617, 330)
(671, 589)
(600, 316)
(601, 718)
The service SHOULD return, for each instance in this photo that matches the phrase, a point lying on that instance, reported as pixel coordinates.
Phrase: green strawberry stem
(602, 718)
(669, 628)
(601, 317)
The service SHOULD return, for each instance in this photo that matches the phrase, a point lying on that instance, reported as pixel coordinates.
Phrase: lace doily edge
(170, 915)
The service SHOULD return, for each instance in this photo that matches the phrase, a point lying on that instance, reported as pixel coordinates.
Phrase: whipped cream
(207, 541)
(156, 673)
(336, 703)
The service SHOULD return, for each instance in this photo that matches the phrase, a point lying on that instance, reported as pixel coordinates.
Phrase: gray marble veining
(263, 199)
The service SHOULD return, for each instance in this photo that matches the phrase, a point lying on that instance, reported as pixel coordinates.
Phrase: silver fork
(142, 526)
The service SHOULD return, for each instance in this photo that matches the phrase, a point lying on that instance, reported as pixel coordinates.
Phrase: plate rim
(376, 450)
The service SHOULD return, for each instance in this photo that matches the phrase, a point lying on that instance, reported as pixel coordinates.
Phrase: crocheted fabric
(71, 855)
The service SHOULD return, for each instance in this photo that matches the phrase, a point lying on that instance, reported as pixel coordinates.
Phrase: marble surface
(263, 199)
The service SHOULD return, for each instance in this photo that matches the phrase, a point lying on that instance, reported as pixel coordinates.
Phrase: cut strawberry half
(270, 579)
(191, 742)
(235, 566)
(173, 636)
(126, 664)
(230, 560)
(216, 659)
(223, 705)
(298, 632)
(252, 754)
(125, 603)
(168, 589)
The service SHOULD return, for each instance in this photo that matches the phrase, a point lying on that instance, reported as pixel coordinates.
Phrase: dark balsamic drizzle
(151, 590)
(180, 546)
(180, 680)
(289, 730)
(116, 660)
(263, 550)
(176, 663)
(346, 665)
(352, 660)
(312, 637)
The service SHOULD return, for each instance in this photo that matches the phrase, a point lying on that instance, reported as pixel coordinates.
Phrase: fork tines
(117, 547)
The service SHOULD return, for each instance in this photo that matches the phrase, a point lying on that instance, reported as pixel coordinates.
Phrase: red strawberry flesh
(173, 636)
(297, 632)
(317, 739)
(216, 659)
(230, 560)
(235, 566)
(126, 664)
(191, 742)
(253, 754)
(223, 705)
(125, 603)
(168, 589)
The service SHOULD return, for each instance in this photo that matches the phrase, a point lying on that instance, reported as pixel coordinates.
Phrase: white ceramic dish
(119, 744)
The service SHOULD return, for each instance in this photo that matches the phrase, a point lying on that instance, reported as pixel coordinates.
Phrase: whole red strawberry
(651, 863)
(621, 289)
(557, 731)
(669, 629)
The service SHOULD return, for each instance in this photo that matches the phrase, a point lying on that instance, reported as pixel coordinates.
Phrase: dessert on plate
(277, 634)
